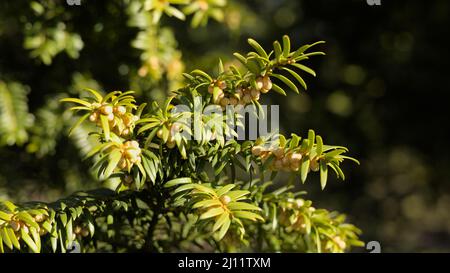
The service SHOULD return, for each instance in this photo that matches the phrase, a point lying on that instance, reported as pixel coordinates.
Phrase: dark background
(381, 91)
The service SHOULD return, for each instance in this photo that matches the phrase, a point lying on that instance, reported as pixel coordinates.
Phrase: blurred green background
(381, 91)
